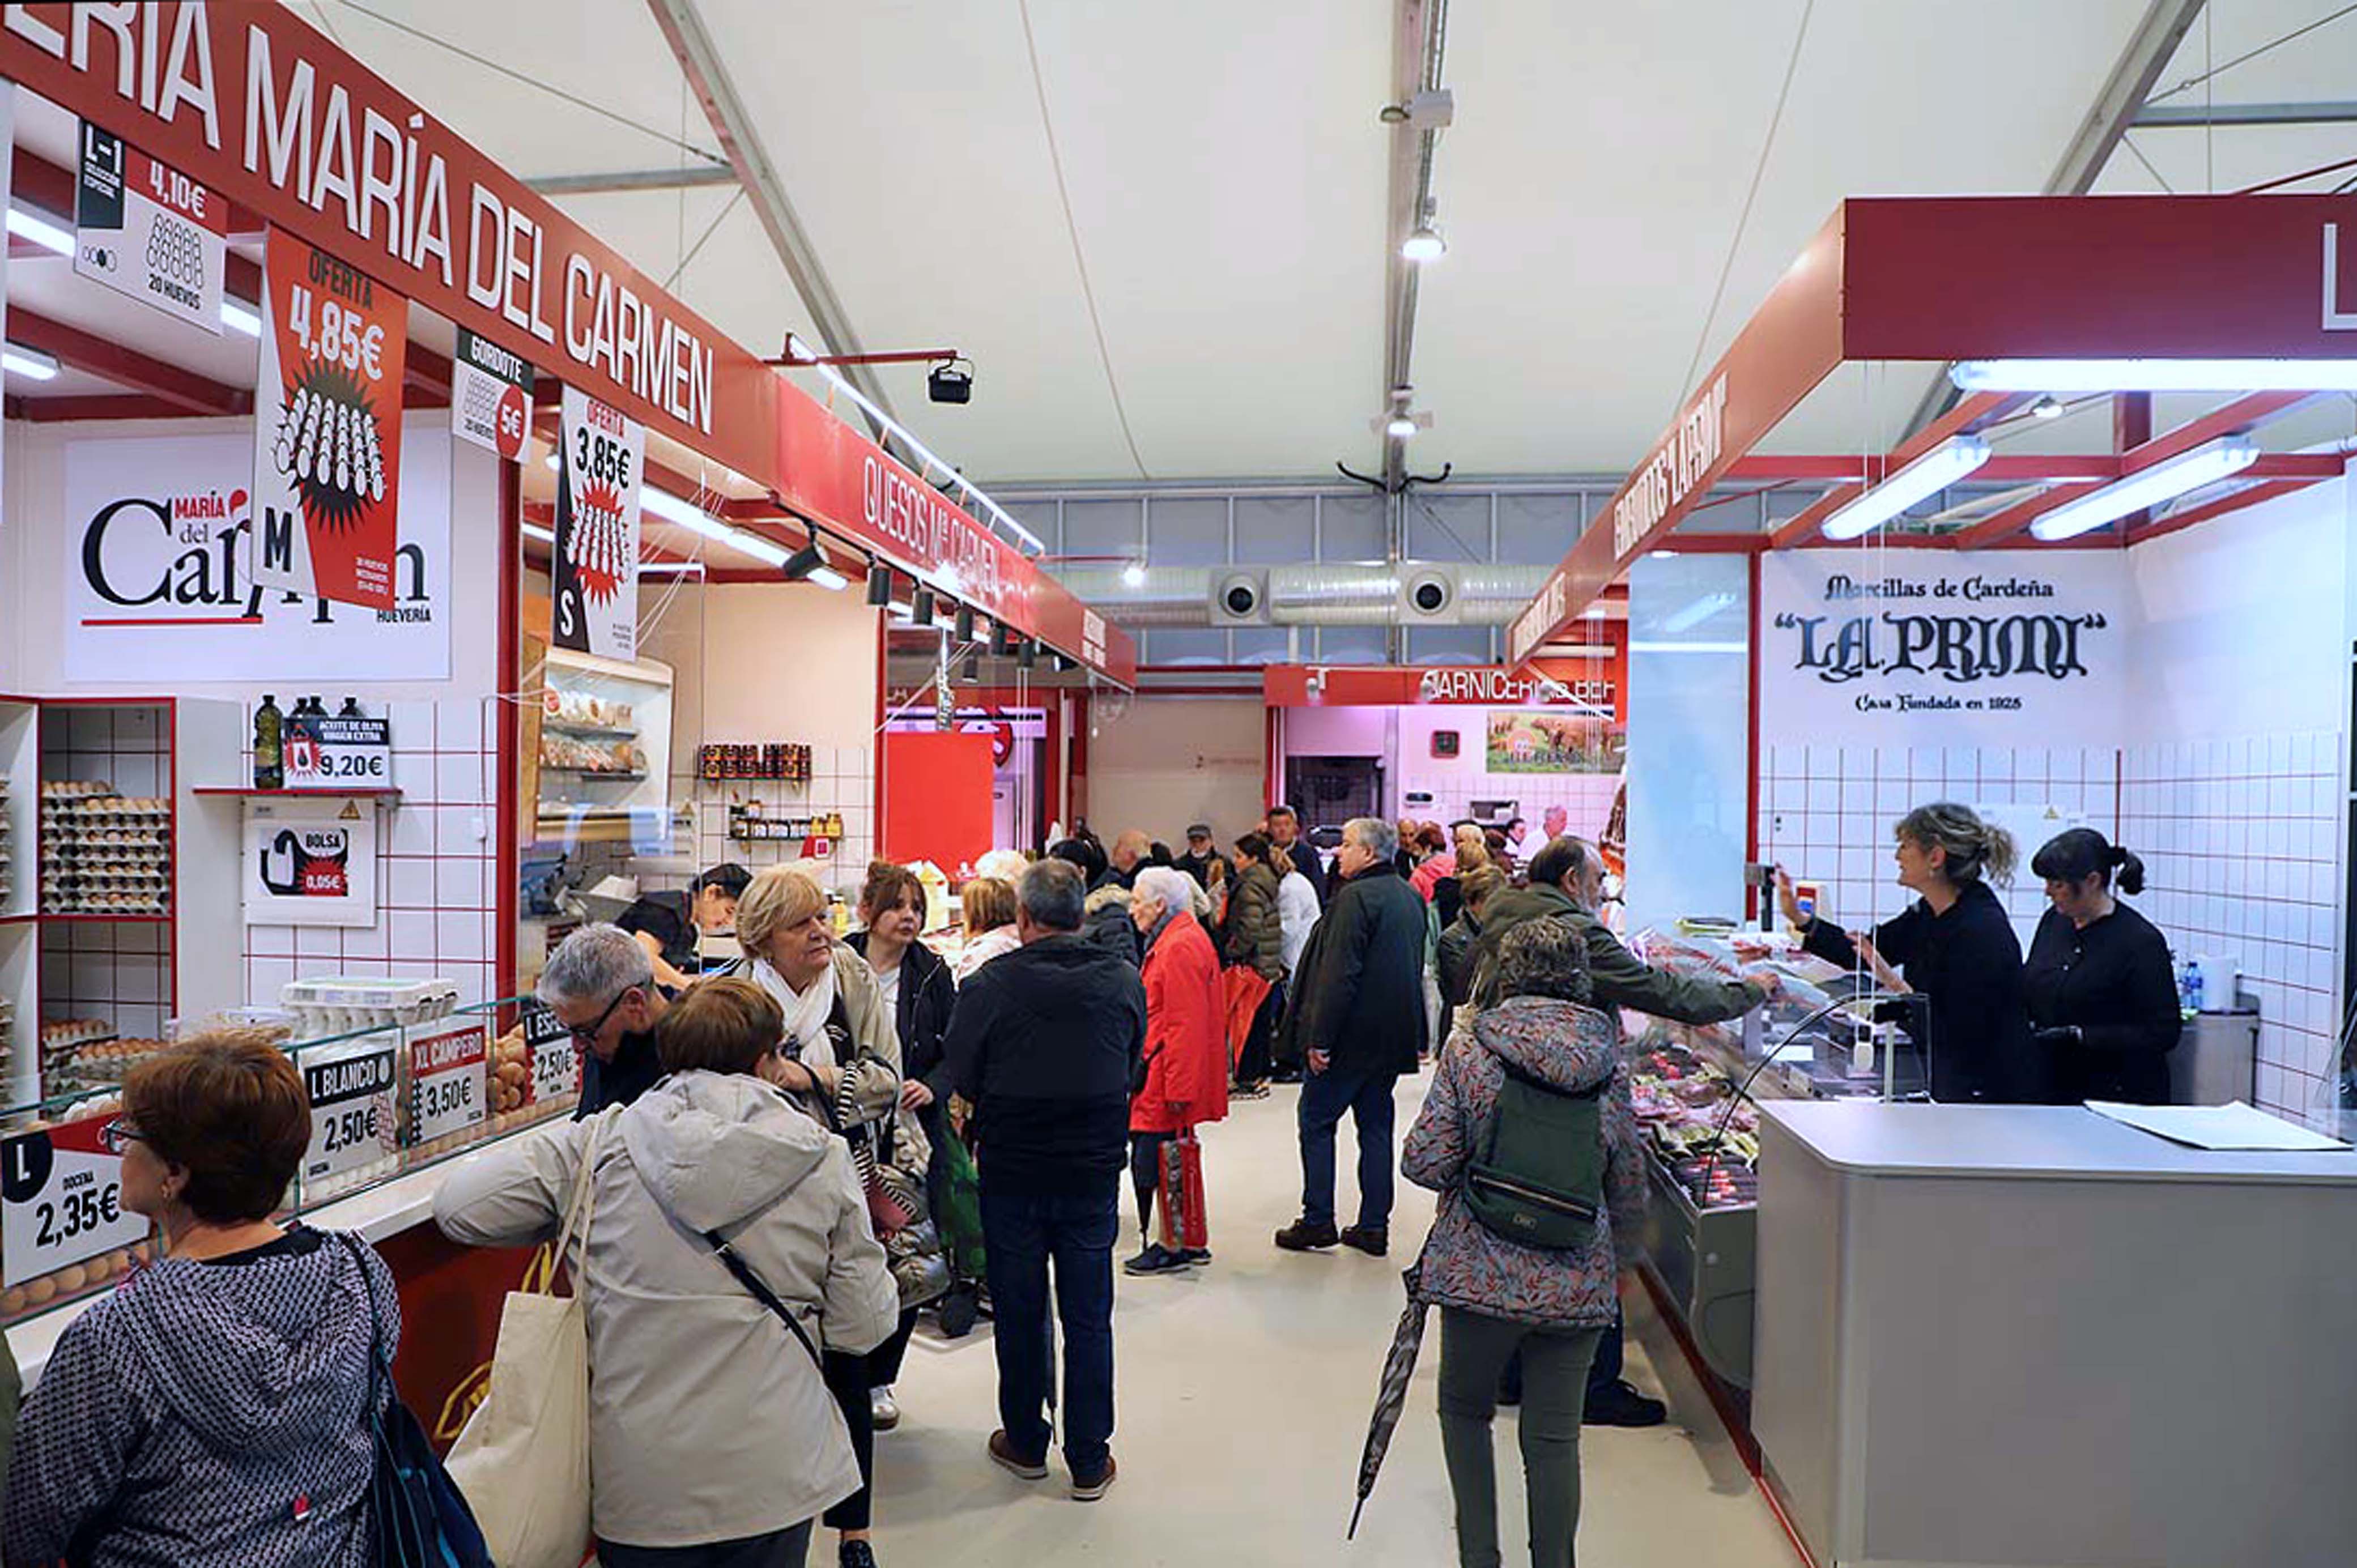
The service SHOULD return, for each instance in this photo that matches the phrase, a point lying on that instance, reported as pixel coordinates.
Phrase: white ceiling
(1225, 176)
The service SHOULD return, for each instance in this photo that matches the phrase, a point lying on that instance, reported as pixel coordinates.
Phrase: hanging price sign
(149, 231)
(351, 1112)
(61, 1200)
(555, 1059)
(448, 1088)
(490, 395)
(327, 428)
(595, 563)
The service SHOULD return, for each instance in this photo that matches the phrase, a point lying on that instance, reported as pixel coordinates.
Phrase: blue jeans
(1367, 1096)
(1021, 1232)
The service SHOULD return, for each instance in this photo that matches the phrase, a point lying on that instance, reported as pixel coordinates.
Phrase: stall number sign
(555, 1059)
(61, 1200)
(338, 753)
(150, 232)
(351, 1112)
(447, 1092)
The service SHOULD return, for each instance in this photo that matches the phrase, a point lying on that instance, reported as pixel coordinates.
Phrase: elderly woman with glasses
(600, 985)
(217, 1414)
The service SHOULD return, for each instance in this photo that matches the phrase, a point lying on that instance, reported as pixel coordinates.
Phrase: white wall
(1169, 761)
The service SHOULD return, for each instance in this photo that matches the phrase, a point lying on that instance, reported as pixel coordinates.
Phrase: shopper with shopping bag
(701, 1203)
(1183, 1075)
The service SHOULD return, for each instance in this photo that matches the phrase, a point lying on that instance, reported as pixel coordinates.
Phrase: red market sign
(251, 103)
(1946, 279)
(1577, 684)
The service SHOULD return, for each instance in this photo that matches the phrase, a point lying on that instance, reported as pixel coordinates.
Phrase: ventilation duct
(1328, 595)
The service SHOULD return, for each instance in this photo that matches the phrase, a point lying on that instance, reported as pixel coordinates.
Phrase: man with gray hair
(1356, 1021)
(1042, 1043)
(599, 985)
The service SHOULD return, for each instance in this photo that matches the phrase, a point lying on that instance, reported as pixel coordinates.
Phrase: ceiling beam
(2238, 417)
(707, 76)
(2006, 524)
(2115, 108)
(184, 389)
(690, 176)
(2161, 116)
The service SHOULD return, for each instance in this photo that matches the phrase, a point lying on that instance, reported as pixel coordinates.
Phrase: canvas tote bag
(522, 1458)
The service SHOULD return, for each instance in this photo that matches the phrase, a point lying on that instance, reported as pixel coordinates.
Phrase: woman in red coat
(1185, 1062)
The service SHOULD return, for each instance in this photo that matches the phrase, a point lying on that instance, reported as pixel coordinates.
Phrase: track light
(1425, 244)
(1133, 576)
(1002, 639)
(2181, 475)
(1066, 665)
(808, 565)
(921, 607)
(971, 669)
(2046, 407)
(1927, 476)
(1027, 655)
(879, 584)
(965, 623)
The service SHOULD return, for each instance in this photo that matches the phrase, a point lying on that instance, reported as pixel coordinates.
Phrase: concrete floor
(1244, 1392)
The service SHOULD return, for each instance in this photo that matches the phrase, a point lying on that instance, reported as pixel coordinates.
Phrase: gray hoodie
(209, 1415)
(708, 1421)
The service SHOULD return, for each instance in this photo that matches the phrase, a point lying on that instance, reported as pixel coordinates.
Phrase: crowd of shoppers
(756, 1155)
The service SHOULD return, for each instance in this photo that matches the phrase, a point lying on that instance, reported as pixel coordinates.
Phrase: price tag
(149, 231)
(338, 753)
(61, 1200)
(351, 1111)
(448, 1090)
(490, 395)
(555, 1059)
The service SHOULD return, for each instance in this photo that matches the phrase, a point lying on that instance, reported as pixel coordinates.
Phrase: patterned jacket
(1465, 1263)
(210, 1415)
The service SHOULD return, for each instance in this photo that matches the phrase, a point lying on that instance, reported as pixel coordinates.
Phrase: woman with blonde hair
(1955, 947)
(840, 1048)
(986, 905)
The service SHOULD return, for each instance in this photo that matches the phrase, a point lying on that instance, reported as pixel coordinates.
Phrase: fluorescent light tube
(533, 531)
(239, 316)
(827, 577)
(2156, 375)
(41, 231)
(1927, 476)
(671, 568)
(30, 363)
(2188, 471)
(671, 509)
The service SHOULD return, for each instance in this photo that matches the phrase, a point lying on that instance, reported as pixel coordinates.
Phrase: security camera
(948, 383)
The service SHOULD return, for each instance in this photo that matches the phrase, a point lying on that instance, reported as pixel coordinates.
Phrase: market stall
(414, 550)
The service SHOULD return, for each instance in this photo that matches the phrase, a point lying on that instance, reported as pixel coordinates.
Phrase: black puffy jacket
(1358, 991)
(928, 991)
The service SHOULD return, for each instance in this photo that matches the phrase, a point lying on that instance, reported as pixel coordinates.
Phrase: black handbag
(416, 1517)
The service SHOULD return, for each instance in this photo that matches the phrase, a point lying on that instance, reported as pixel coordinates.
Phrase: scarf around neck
(806, 1012)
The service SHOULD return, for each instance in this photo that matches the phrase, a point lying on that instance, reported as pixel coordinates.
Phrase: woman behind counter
(1955, 946)
(2102, 995)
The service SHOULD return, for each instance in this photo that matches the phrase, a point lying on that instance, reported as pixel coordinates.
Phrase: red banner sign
(252, 101)
(1576, 683)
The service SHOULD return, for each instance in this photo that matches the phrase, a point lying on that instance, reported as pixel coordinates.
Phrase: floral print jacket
(1465, 1263)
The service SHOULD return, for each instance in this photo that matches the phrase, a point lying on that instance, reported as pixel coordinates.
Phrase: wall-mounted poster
(310, 862)
(1553, 741)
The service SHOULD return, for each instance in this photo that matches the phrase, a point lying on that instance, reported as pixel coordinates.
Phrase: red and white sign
(490, 395)
(61, 1200)
(1576, 683)
(596, 561)
(327, 428)
(310, 862)
(449, 1089)
(149, 231)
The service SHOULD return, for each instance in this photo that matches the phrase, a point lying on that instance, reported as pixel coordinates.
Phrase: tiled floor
(1243, 1396)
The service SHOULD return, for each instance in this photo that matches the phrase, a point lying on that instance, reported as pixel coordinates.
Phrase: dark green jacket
(1620, 979)
(1256, 934)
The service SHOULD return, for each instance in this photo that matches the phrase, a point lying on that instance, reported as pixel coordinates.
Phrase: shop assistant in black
(2102, 995)
(1955, 946)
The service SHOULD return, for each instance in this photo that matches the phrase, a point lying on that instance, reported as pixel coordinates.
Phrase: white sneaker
(887, 1412)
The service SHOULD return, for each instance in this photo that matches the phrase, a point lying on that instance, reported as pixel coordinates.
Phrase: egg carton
(341, 1003)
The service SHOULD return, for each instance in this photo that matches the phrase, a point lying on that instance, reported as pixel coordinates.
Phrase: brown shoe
(1303, 1237)
(1003, 1455)
(1089, 1489)
(1373, 1243)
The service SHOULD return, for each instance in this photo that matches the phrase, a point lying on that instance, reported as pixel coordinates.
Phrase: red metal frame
(506, 857)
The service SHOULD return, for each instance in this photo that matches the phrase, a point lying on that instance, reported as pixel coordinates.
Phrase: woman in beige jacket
(713, 1435)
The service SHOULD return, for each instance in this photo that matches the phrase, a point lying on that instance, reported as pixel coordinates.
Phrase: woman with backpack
(1527, 1131)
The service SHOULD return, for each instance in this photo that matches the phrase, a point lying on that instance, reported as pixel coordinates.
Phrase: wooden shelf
(602, 732)
(379, 791)
(602, 774)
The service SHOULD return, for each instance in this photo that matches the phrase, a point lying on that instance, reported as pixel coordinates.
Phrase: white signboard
(448, 1088)
(61, 1200)
(596, 561)
(555, 1059)
(154, 576)
(351, 1111)
(333, 753)
(310, 862)
(149, 231)
(490, 395)
(1933, 648)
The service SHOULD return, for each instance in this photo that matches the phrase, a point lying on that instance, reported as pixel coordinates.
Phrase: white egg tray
(340, 1003)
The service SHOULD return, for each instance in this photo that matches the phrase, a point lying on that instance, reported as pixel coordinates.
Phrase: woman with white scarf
(841, 1047)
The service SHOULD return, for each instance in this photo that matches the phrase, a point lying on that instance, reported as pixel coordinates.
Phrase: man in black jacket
(1042, 1043)
(1284, 831)
(600, 987)
(1104, 918)
(1356, 1020)
(1200, 853)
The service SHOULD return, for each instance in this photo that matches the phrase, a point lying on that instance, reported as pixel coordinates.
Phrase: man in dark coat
(1284, 831)
(1356, 1020)
(1104, 919)
(1200, 853)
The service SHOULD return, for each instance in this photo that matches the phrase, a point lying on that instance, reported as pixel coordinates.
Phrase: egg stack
(65, 1042)
(101, 1064)
(104, 854)
(7, 869)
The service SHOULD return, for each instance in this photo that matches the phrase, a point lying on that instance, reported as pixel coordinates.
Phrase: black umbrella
(1391, 1395)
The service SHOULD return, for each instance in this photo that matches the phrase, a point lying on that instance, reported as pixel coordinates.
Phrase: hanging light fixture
(965, 623)
(879, 584)
(1927, 476)
(808, 565)
(921, 607)
(1002, 639)
(1026, 655)
(2188, 471)
(1424, 244)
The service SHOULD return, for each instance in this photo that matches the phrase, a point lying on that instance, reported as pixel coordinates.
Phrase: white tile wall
(843, 778)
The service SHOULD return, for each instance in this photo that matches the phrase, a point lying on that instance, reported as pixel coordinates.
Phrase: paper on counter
(2218, 1127)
